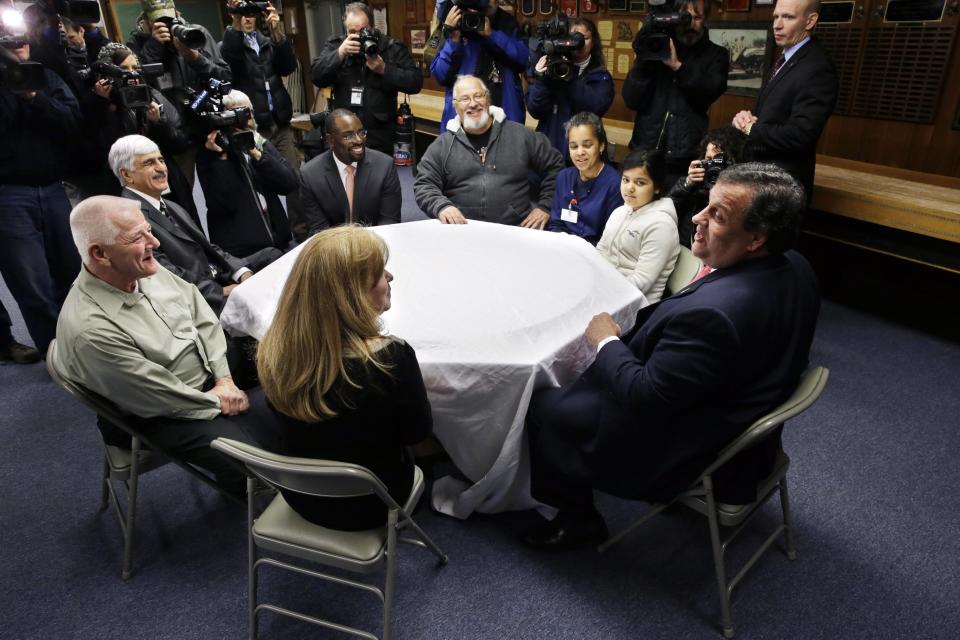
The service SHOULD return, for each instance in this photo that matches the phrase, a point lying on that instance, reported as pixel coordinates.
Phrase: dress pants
(38, 259)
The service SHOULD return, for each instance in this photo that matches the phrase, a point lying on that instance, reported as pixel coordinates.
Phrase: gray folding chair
(280, 529)
(700, 497)
(120, 464)
(684, 271)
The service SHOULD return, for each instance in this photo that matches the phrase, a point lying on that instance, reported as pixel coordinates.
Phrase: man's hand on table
(451, 215)
(537, 219)
(600, 328)
(233, 401)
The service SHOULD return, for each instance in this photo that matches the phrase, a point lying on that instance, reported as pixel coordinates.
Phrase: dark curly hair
(777, 206)
(651, 160)
(730, 141)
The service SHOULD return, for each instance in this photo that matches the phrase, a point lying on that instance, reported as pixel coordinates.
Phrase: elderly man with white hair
(242, 175)
(184, 250)
(481, 167)
(132, 331)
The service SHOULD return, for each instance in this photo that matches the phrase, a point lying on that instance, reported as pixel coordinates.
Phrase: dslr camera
(248, 9)
(712, 168)
(190, 34)
(369, 44)
(206, 106)
(472, 16)
(130, 86)
(555, 40)
(653, 40)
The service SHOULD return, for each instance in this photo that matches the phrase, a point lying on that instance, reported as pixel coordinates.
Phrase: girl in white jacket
(640, 238)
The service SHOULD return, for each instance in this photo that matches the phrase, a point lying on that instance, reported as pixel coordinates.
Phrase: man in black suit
(795, 102)
(349, 183)
(184, 249)
(657, 406)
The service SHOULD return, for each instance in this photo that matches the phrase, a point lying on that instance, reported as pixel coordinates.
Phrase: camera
(248, 9)
(712, 168)
(190, 34)
(131, 90)
(16, 75)
(472, 16)
(653, 39)
(369, 42)
(555, 40)
(206, 105)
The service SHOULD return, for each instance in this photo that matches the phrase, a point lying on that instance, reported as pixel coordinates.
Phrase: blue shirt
(593, 200)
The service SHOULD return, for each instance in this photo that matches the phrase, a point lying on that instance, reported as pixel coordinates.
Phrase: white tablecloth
(493, 312)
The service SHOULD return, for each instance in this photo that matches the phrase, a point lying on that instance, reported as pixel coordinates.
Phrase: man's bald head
(95, 221)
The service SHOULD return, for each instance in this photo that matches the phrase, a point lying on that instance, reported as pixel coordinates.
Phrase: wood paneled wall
(929, 148)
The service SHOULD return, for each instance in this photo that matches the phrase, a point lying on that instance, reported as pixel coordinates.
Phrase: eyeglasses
(350, 135)
(465, 100)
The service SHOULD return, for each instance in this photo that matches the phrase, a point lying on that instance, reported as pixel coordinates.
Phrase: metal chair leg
(787, 519)
(134, 482)
(391, 572)
(251, 560)
(726, 620)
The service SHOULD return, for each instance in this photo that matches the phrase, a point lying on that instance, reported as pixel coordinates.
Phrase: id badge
(356, 97)
(569, 215)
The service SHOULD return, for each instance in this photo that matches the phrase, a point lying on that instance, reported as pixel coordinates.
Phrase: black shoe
(18, 353)
(567, 532)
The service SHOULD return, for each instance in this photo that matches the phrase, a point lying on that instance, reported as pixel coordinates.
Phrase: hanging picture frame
(750, 45)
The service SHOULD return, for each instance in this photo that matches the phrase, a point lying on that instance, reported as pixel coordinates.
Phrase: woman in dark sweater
(343, 391)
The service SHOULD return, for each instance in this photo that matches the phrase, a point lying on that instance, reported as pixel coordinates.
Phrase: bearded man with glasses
(482, 166)
(349, 183)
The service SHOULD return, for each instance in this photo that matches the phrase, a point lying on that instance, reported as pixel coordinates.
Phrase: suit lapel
(335, 184)
(788, 66)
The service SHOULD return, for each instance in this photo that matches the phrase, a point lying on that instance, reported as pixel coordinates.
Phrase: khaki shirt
(151, 352)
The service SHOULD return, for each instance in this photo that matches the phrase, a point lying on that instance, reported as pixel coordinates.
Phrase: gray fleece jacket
(496, 189)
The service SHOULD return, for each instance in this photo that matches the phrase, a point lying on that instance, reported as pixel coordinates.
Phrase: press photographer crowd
(103, 142)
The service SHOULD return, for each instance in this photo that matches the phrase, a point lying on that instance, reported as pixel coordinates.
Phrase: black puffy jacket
(251, 72)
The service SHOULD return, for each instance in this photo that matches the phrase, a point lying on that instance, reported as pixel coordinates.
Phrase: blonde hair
(324, 316)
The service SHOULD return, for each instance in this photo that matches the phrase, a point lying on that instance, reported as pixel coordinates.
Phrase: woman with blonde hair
(342, 390)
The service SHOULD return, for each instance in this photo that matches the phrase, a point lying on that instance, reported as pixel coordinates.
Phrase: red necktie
(779, 63)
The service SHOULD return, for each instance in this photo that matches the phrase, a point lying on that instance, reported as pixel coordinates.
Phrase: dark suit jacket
(792, 109)
(234, 216)
(652, 412)
(376, 192)
(187, 253)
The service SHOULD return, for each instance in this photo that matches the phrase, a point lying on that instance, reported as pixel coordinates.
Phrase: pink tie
(704, 271)
(351, 172)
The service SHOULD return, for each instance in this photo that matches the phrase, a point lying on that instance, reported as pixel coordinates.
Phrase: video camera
(16, 75)
(248, 9)
(555, 40)
(653, 39)
(190, 34)
(206, 105)
(472, 16)
(131, 86)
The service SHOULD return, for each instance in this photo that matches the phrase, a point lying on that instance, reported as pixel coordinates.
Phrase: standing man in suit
(658, 405)
(349, 182)
(795, 102)
(184, 250)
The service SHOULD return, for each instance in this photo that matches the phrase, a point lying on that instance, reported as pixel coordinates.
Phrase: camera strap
(663, 130)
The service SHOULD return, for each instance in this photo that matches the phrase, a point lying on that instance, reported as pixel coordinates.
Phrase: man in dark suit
(184, 249)
(796, 100)
(349, 183)
(657, 406)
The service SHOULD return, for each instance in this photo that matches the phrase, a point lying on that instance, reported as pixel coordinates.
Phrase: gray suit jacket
(376, 199)
(187, 253)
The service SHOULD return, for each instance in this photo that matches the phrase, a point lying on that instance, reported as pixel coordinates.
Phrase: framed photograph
(764, 3)
(750, 46)
(638, 6)
(417, 35)
(737, 6)
(617, 5)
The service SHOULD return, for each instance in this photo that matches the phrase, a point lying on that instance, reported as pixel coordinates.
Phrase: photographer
(37, 261)
(187, 62)
(719, 149)
(366, 70)
(242, 176)
(478, 38)
(588, 87)
(120, 104)
(678, 74)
